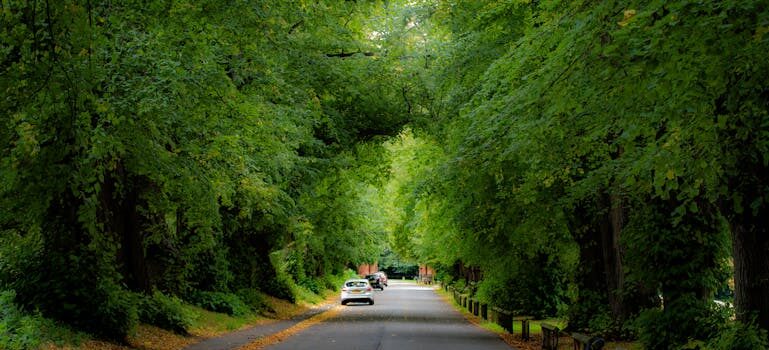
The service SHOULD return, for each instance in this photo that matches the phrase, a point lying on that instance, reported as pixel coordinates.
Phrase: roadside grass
(48, 332)
(535, 330)
(305, 295)
(209, 324)
(493, 327)
(283, 309)
(488, 325)
(535, 325)
(204, 324)
(20, 330)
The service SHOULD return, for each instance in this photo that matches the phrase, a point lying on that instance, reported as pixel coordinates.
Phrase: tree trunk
(749, 230)
(612, 252)
(122, 219)
(750, 248)
(625, 299)
(133, 244)
(590, 276)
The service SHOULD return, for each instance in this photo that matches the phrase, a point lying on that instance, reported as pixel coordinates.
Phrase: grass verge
(535, 330)
(510, 339)
(205, 324)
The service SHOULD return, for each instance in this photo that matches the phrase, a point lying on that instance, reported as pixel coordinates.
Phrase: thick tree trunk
(749, 230)
(590, 276)
(625, 299)
(750, 247)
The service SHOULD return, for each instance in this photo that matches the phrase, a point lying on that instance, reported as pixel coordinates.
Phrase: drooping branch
(348, 54)
(296, 25)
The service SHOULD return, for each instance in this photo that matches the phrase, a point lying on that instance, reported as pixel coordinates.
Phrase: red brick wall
(425, 270)
(426, 274)
(367, 269)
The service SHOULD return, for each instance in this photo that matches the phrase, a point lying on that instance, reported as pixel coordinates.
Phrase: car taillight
(369, 289)
(345, 289)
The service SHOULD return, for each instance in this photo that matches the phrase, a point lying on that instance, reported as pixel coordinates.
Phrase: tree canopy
(601, 161)
(597, 160)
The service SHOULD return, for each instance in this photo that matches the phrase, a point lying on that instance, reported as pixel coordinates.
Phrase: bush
(311, 284)
(166, 312)
(335, 281)
(330, 282)
(253, 299)
(530, 291)
(226, 303)
(588, 311)
(18, 331)
(682, 319)
(79, 288)
(282, 286)
(111, 313)
(739, 336)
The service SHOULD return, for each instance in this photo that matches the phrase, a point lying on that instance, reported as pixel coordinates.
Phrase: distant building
(426, 274)
(367, 269)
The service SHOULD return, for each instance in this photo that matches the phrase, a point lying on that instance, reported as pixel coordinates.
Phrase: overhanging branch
(348, 54)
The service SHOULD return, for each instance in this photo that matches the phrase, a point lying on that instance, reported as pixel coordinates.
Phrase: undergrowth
(209, 314)
(21, 330)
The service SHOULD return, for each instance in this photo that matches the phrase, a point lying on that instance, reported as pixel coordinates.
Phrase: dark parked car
(375, 281)
(382, 277)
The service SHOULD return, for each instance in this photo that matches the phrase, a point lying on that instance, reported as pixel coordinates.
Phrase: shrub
(739, 336)
(253, 299)
(18, 331)
(311, 284)
(330, 281)
(532, 290)
(166, 312)
(226, 303)
(79, 288)
(282, 286)
(306, 295)
(682, 319)
(111, 313)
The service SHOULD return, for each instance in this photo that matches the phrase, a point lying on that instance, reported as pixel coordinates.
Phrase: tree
(168, 145)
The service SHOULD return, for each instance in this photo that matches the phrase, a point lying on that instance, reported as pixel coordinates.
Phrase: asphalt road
(405, 317)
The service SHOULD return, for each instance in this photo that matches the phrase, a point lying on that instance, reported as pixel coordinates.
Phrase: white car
(357, 290)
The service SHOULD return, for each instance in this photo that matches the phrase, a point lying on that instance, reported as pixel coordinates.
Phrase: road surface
(406, 316)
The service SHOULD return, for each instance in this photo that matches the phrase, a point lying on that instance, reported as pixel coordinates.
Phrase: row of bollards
(503, 318)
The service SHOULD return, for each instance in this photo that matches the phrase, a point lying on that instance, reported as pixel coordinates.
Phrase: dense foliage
(598, 160)
(192, 149)
(604, 161)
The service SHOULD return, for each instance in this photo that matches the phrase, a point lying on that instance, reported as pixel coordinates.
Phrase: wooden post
(550, 335)
(525, 329)
(586, 342)
(504, 319)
